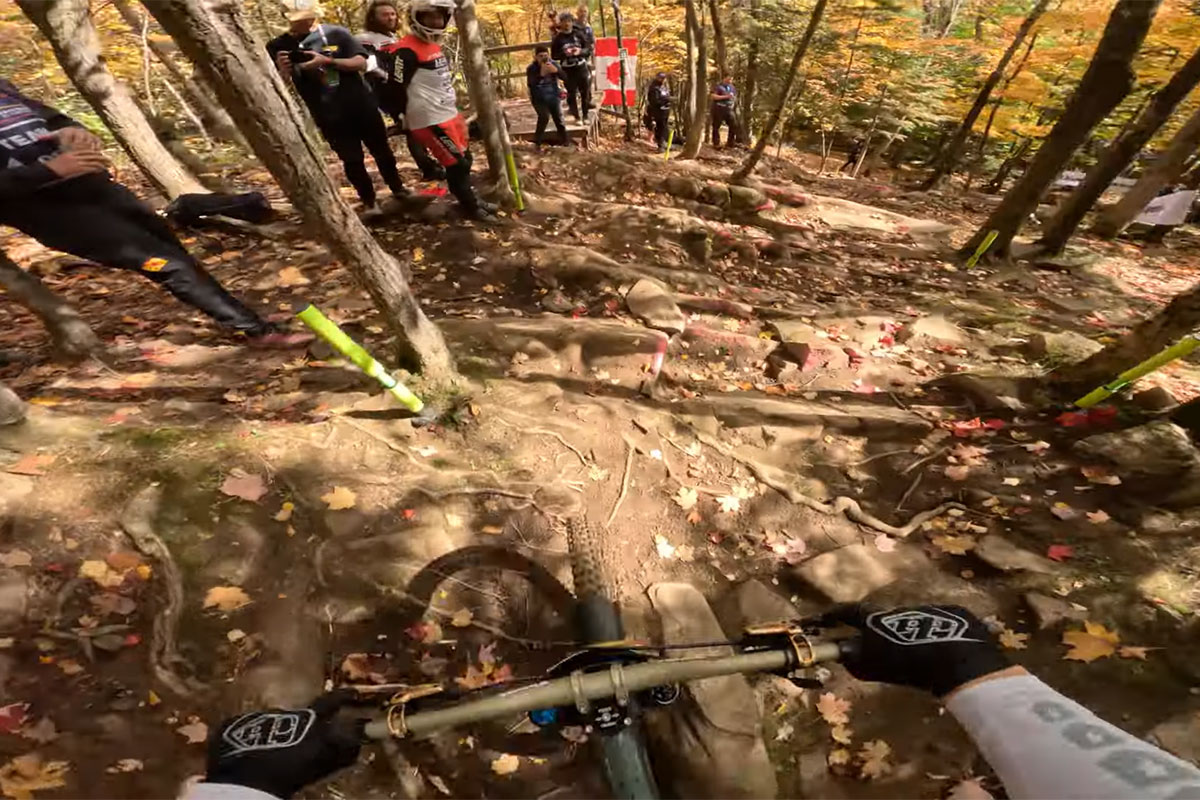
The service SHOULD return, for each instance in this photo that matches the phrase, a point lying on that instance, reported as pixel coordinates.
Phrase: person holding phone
(542, 77)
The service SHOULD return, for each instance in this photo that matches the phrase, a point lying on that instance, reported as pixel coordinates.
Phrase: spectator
(723, 98)
(380, 26)
(421, 87)
(571, 50)
(326, 66)
(658, 108)
(581, 22)
(55, 187)
(852, 154)
(542, 77)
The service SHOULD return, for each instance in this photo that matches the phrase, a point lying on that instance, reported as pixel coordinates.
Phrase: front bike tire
(623, 754)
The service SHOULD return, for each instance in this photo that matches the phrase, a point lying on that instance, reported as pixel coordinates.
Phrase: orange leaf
(833, 709)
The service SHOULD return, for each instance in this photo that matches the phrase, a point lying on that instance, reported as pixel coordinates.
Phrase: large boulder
(746, 198)
(680, 186)
(1066, 347)
(12, 410)
(805, 345)
(929, 331)
(848, 574)
(710, 742)
(716, 194)
(650, 303)
(1157, 449)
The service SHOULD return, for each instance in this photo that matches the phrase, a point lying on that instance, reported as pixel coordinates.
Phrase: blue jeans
(549, 108)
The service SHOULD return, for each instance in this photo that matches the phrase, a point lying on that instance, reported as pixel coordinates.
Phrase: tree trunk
(743, 172)
(751, 84)
(1018, 152)
(1119, 155)
(624, 83)
(1178, 319)
(1112, 220)
(73, 338)
(938, 17)
(217, 40)
(483, 97)
(214, 118)
(943, 163)
(696, 125)
(68, 27)
(721, 55)
(1108, 79)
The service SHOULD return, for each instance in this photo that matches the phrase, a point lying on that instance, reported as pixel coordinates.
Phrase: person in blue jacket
(542, 77)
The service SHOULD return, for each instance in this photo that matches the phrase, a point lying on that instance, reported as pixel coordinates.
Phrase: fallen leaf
(1059, 552)
(1013, 640)
(841, 734)
(1128, 651)
(12, 717)
(235, 635)
(954, 545)
(885, 543)
(694, 517)
(248, 486)
(24, 775)
(418, 255)
(1098, 517)
(969, 454)
(958, 472)
(339, 499)
(226, 598)
(833, 709)
(356, 667)
(126, 765)
(291, 276)
(143, 571)
(439, 784)
(196, 732)
(425, 631)
(492, 530)
(31, 464)
(1094, 642)
(1037, 447)
(101, 573)
(686, 497)
(7, 642)
(664, 548)
(729, 504)
(462, 618)
(70, 666)
(505, 764)
(784, 732)
(1101, 475)
(874, 756)
(1012, 481)
(285, 512)
(409, 513)
(152, 699)
(839, 756)
(16, 558)
(43, 731)
(597, 473)
(1063, 511)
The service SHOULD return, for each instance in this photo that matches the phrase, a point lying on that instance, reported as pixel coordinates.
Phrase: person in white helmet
(1041, 743)
(420, 86)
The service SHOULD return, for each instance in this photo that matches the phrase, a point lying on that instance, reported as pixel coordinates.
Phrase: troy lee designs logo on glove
(924, 626)
(267, 730)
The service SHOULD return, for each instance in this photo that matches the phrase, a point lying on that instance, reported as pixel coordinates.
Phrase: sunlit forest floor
(825, 339)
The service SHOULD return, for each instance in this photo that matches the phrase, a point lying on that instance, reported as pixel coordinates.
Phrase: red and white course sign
(608, 70)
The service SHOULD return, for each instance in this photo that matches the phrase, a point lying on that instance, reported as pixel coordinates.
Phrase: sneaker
(484, 212)
(371, 214)
(435, 174)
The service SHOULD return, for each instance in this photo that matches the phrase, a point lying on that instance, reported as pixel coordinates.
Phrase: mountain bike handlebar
(580, 688)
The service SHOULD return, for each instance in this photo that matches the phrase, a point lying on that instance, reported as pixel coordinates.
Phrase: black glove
(281, 751)
(936, 648)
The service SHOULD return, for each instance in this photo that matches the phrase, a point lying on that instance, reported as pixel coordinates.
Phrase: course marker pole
(1155, 362)
(983, 248)
(328, 330)
(670, 138)
(514, 181)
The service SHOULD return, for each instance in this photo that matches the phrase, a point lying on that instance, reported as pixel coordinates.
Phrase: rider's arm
(1043, 744)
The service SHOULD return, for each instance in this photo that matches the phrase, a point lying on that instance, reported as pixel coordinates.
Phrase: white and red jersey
(420, 83)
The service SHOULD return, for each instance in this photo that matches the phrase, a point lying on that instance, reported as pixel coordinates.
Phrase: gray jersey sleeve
(1043, 744)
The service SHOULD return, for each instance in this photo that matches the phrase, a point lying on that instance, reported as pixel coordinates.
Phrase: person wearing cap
(326, 64)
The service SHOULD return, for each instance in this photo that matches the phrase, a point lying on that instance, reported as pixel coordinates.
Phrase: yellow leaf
(24, 775)
(1139, 653)
(874, 756)
(505, 764)
(70, 666)
(841, 734)
(954, 545)
(1090, 644)
(143, 571)
(101, 573)
(686, 497)
(285, 512)
(418, 255)
(152, 699)
(729, 504)
(833, 709)
(226, 598)
(291, 276)
(1101, 632)
(462, 618)
(196, 732)
(839, 756)
(340, 498)
(1013, 640)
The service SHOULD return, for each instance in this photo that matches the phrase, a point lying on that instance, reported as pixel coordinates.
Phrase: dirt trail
(805, 341)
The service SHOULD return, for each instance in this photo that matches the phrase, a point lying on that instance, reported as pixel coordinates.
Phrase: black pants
(661, 126)
(347, 131)
(431, 170)
(578, 83)
(549, 109)
(93, 218)
(851, 160)
(723, 115)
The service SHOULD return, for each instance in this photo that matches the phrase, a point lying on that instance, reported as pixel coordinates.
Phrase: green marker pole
(324, 327)
(670, 138)
(1155, 362)
(983, 248)
(514, 181)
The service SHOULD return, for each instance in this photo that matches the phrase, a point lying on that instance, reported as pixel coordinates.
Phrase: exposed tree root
(137, 522)
(777, 480)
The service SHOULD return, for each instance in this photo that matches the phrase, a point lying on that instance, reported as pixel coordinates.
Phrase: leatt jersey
(420, 84)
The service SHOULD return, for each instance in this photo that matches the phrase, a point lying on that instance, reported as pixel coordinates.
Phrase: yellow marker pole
(983, 248)
(1155, 362)
(514, 181)
(670, 138)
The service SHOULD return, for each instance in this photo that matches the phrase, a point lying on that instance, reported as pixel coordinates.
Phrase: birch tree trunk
(1108, 79)
(696, 124)
(67, 24)
(483, 98)
(216, 38)
(743, 172)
